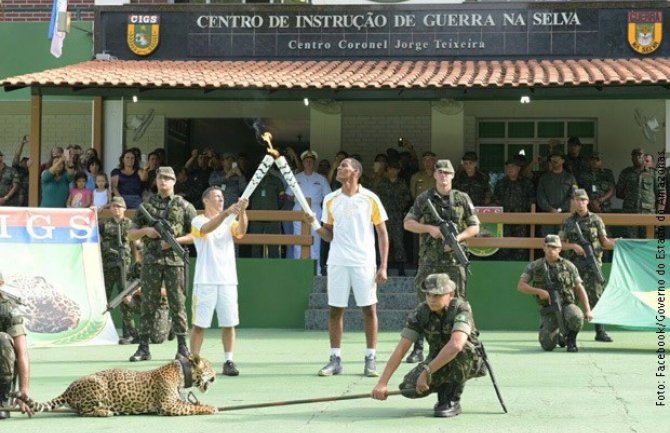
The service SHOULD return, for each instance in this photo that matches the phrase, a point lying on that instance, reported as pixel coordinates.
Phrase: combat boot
(5, 389)
(129, 336)
(601, 335)
(142, 353)
(417, 352)
(571, 341)
(448, 401)
(182, 348)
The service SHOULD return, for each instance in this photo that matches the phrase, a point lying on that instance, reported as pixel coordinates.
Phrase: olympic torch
(286, 171)
(255, 180)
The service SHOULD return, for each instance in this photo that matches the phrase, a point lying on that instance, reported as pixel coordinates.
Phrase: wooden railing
(304, 239)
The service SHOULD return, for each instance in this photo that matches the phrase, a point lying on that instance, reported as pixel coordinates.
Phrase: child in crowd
(102, 195)
(80, 196)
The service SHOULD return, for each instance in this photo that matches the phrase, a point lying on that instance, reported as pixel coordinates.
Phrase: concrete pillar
(113, 136)
(447, 135)
(325, 131)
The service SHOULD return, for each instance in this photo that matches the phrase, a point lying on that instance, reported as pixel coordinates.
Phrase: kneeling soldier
(536, 280)
(447, 323)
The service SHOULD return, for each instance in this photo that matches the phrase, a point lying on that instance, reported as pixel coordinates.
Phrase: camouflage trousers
(455, 272)
(396, 238)
(594, 290)
(548, 336)
(7, 357)
(161, 323)
(113, 286)
(153, 277)
(466, 365)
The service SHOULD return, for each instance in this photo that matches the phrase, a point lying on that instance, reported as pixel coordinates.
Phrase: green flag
(635, 291)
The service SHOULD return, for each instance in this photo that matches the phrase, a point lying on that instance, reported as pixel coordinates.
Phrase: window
(500, 139)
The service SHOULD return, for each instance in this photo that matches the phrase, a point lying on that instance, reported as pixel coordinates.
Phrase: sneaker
(229, 369)
(334, 366)
(370, 369)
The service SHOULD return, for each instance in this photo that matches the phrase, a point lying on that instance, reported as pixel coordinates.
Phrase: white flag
(58, 37)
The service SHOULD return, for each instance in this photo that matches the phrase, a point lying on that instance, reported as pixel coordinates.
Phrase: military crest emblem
(645, 30)
(143, 33)
(487, 230)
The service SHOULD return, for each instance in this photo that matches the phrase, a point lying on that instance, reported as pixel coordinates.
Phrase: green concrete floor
(603, 388)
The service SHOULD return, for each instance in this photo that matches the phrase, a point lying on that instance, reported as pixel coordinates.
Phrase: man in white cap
(315, 187)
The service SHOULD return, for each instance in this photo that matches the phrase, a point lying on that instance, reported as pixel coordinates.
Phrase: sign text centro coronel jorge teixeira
(435, 31)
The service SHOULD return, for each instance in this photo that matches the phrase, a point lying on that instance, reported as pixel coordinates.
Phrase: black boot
(601, 335)
(129, 335)
(417, 352)
(142, 353)
(5, 389)
(182, 348)
(571, 341)
(448, 400)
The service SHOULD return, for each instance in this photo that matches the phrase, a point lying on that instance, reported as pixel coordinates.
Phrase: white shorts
(208, 297)
(342, 279)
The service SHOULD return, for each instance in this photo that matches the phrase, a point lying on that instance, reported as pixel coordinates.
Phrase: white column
(325, 133)
(113, 133)
(447, 135)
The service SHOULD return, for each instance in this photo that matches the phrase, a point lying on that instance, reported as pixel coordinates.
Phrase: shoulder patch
(461, 318)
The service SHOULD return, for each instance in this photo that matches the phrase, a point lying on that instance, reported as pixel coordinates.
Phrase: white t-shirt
(216, 253)
(353, 220)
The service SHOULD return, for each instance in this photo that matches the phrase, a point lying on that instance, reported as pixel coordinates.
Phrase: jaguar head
(203, 372)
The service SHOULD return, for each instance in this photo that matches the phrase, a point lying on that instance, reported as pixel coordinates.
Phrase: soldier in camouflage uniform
(394, 195)
(598, 183)
(433, 257)
(638, 187)
(472, 181)
(10, 184)
(111, 266)
(14, 361)
(514, 193)
(574, 162)
(593, 229)
(534, 280)
(554, 190)
(160, 264)
(446, 321)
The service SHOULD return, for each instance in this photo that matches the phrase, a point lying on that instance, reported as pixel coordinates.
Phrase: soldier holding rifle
(116, 258)
(434, 257)
(164, 259)
(554, 281)
(584, 236)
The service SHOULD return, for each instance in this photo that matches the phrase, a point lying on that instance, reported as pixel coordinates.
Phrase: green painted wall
(25, 49)
(274, 293)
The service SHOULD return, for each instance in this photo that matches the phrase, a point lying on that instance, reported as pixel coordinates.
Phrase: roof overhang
(354, 79)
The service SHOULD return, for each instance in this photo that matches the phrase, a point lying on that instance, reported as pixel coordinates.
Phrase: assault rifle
(590, 258)
(128, 289)
(449, 233)
(165, 232)
(555, 305)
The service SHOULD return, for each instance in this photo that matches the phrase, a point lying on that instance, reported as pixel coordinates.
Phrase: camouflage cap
(429, 154)
(394, 163)
(119, 201)
(574, 141)
(438, 284)
(552, 241)
(166, 172)
(595, 155)
(444, 165)
(580, 194)
(637, 151)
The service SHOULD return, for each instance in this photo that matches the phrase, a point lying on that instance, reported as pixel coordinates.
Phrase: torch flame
(267, 138)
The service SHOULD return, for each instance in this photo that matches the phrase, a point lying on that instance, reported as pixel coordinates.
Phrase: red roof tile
(356, 74)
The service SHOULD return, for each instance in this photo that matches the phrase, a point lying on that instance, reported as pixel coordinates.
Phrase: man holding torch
(349, 214)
